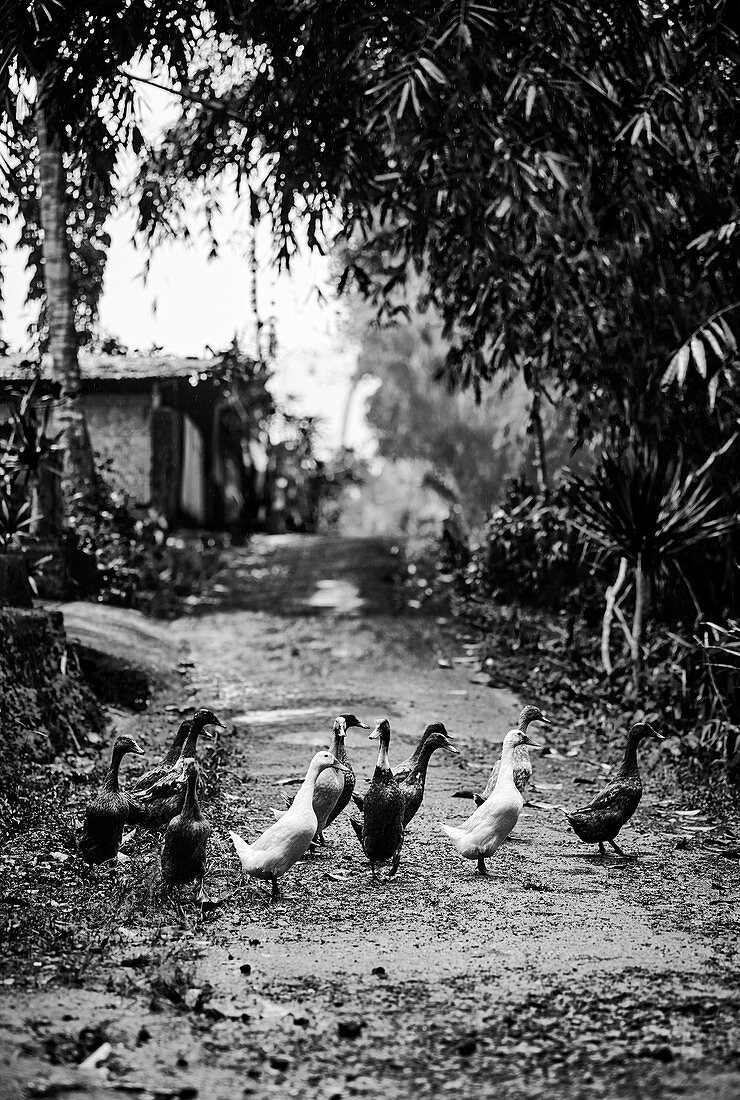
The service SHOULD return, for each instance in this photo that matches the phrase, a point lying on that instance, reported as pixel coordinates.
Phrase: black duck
(106, 815)
(522, 763)
(156, 806)
(170, 758)
(381, 831)
(601, 819)
(186, 839)
(412, 773)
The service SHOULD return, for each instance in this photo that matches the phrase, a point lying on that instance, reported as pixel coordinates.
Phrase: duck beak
(658, 736)
(545, 721)
(375, 734)
(453, 750)
(528, 741)
(340, 767)
(138, 750)
(362, 726)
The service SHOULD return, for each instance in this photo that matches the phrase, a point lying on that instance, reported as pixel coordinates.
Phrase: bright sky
(189, 303)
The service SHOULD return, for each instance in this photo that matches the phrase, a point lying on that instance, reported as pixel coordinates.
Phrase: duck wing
(359, 801)
(608, 811)
(344, 798)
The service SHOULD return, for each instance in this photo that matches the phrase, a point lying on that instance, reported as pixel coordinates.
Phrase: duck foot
(482, 869)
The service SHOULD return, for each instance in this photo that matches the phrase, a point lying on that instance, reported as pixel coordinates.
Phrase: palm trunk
(606, 628)
(78, 470)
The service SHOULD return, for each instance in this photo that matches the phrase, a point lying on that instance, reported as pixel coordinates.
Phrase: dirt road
(558, 976)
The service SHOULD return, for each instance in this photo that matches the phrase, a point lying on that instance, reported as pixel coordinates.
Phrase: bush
(129, 558)
(531, 554)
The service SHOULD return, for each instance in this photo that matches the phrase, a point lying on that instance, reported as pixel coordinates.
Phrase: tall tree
(67, 56)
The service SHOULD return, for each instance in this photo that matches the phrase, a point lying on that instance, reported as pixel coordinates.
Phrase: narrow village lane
(559, 975)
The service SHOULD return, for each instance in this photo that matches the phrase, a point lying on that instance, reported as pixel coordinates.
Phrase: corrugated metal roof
(113, 368)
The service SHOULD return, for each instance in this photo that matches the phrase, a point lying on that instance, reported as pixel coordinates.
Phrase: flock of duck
(166, 797)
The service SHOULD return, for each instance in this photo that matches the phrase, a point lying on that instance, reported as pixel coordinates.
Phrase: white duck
(285, 842)
(485, 830)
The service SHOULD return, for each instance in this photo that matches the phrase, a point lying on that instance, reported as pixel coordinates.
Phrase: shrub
(530, 553)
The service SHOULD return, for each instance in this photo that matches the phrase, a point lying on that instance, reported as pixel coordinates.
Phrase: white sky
(189, 303)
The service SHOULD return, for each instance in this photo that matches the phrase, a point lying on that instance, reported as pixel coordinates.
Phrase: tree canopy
(561, 175)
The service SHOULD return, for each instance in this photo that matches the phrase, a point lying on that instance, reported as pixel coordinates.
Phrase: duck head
(515, 738)
(203, 722)
(531, 714)
(323, 760)
(382, 732)
(125, 744)
(436, 736)
(641, 730)
(344, 722)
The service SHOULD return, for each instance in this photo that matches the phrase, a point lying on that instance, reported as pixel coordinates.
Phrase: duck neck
(191, 809)
(506, 771)
(337, 748)
(383, 763)
(420, 759)
(110, 783)
(306, 789)
(191, 743)
(173, 753)
(629, 760)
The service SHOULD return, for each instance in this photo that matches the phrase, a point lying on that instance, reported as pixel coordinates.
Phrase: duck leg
(275, 894)
(602, 849)
(482, 869)
(619, 851)
(396, 861)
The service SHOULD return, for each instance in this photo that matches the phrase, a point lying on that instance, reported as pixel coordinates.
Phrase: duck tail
(358, 831)
(465, 794)
(243, 850)
(454, 834)
(277, 814)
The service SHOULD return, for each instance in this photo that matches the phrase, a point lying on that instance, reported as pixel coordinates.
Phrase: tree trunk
(532, 379)
(638, 622)
(78, 469)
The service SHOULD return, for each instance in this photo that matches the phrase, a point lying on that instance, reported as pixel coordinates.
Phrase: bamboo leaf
(700, 359)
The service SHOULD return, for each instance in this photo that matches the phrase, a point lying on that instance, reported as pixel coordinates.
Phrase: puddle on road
(336, 595)
(275, 717)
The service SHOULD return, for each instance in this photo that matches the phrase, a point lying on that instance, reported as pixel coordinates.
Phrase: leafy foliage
(530, 549)
(643, 505)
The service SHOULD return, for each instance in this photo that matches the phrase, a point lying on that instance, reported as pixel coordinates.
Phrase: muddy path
(560, 975)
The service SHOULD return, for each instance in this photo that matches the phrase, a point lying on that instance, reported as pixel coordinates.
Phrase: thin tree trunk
(606, 628)
(638, 622)
(535, 419)
(78, 468)
(253, 289)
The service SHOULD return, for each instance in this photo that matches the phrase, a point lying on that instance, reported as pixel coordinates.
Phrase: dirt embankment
(559, 976)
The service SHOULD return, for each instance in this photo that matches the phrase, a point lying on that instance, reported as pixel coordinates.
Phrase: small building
(177, 434)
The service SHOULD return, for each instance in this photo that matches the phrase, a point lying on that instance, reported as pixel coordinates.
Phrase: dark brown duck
(158, 804)
(600, 820)
(106, 815)
(168, 761)
(381, 831)
(185, 846)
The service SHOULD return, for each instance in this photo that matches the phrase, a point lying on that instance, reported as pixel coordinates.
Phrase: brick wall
(120, 429)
